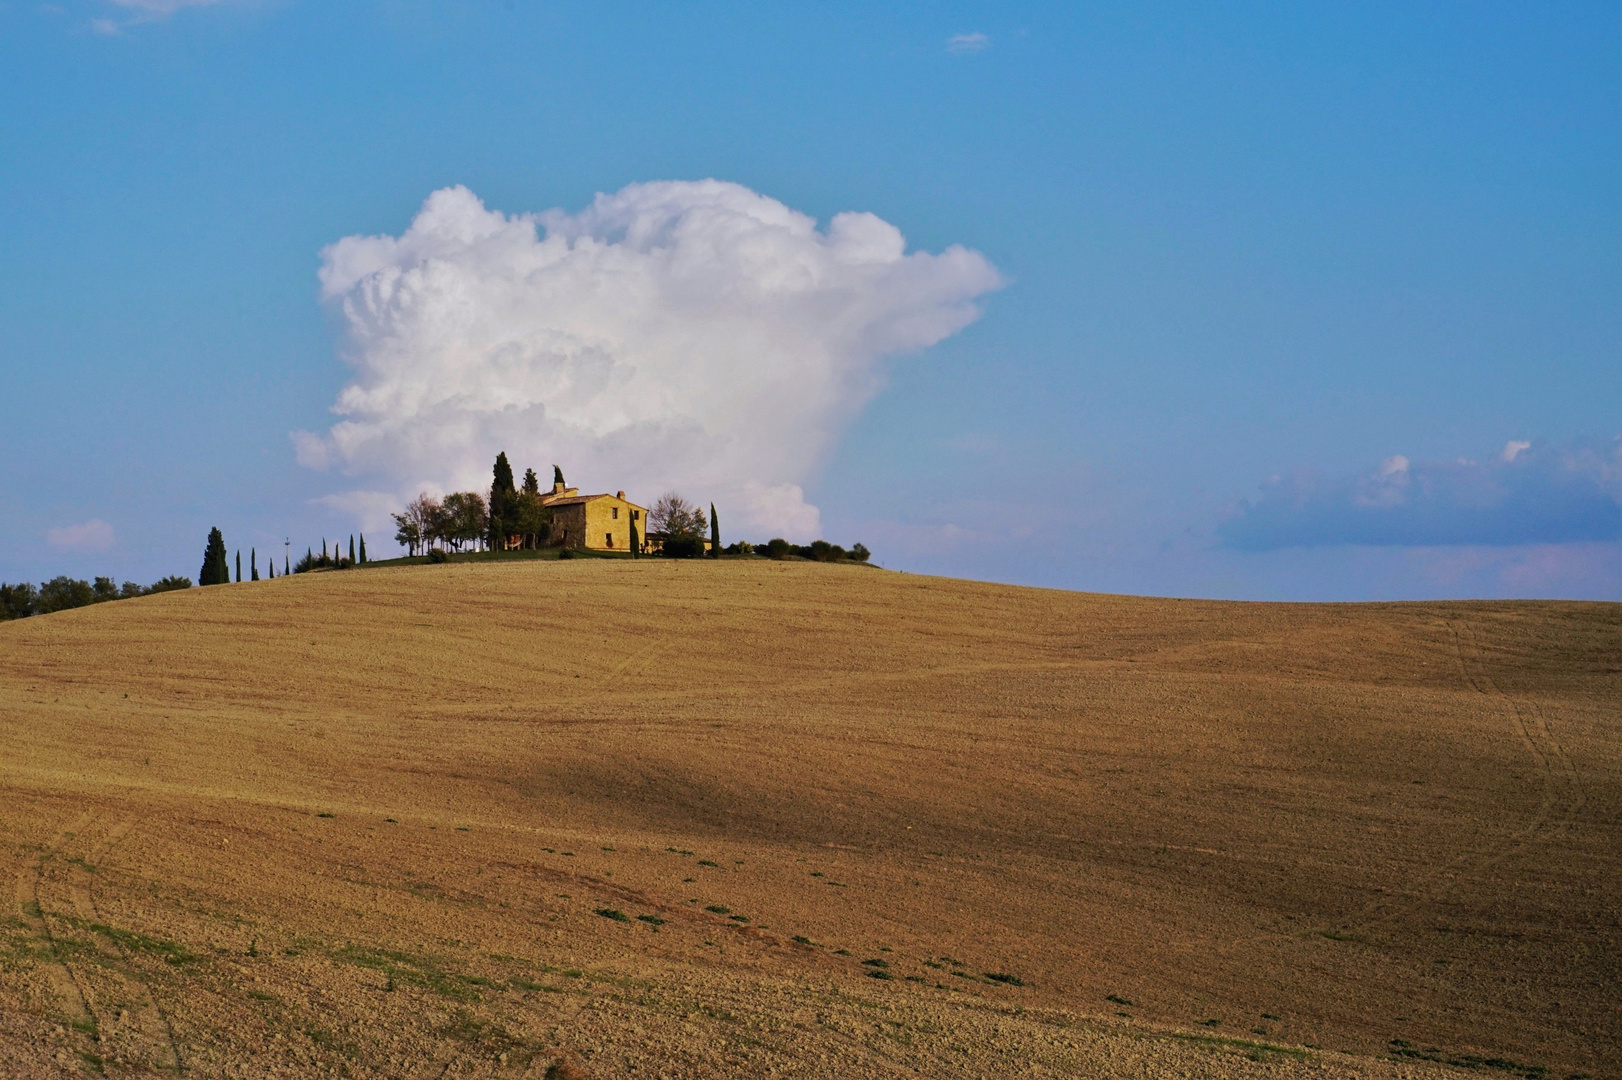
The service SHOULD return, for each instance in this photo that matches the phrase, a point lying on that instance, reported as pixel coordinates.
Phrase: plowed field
(788, 819)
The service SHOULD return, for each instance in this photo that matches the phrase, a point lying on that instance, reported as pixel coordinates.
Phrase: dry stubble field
(368, 824)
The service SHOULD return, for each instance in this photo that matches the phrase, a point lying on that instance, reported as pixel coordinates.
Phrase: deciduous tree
(676, 517)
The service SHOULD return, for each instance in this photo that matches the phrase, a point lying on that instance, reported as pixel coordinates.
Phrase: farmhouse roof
(573, 500)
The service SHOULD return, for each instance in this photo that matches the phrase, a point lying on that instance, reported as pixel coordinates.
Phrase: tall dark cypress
(503, 504)
(253, 564)
(557, 476)
(636, 543)
(363, 547)
(214, 571)
(715, 534)
(239, 566)
(351, 549)
(323, 551)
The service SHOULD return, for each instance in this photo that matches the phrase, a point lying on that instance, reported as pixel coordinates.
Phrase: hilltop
(695, 819)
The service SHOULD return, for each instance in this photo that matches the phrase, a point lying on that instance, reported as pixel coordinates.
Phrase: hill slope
(368, 822)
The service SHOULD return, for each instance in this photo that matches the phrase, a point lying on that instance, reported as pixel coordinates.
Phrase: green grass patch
(705, 862)
(1251, 1045)
(1005, 978)
(1117, 999)
(879, 973)
(129, 939)
(652, 920)
(1401, 1048)
(719, 909)
(1336, 935)
(419, 971)
(613, 913)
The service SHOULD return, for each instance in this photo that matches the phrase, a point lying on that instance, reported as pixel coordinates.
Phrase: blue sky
(1280, 293)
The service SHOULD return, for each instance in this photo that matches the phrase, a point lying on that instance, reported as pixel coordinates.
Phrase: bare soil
(653, 819)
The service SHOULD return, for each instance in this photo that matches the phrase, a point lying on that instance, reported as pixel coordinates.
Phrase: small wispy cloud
(161, 7)
(967, 43)
(92, 535)
(142, 11)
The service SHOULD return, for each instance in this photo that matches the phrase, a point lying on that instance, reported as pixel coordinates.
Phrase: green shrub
(682, 547)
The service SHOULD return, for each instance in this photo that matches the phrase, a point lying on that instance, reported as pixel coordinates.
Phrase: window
(610, 539)
(614, 512)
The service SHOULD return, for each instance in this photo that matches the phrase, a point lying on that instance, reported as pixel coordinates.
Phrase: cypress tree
(239, 566)
(214, 571)
(715, 534)
(351, 549)
(557, 476)
(363, 547)
(503, 504)
(253, 564)
(323, 551)
(636, 544)
(532, 483)
(271, 566)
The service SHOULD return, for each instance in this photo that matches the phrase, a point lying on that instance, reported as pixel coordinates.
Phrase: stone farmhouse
(600, 522)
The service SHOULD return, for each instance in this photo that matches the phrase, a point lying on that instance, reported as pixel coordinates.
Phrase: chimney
(620, 496)
(557, 488)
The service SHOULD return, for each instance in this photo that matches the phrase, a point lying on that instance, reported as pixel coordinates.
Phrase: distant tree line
(62, 593)
(337, 560)
(816, 551)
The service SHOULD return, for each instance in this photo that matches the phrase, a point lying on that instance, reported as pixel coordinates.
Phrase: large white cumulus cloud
(696, 336)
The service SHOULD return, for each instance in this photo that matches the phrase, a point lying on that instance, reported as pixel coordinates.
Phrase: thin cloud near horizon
(1526, 493)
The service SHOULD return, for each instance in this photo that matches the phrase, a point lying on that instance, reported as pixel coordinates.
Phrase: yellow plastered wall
(602, 523)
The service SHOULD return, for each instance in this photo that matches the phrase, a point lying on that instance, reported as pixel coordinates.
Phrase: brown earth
(368, 824)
